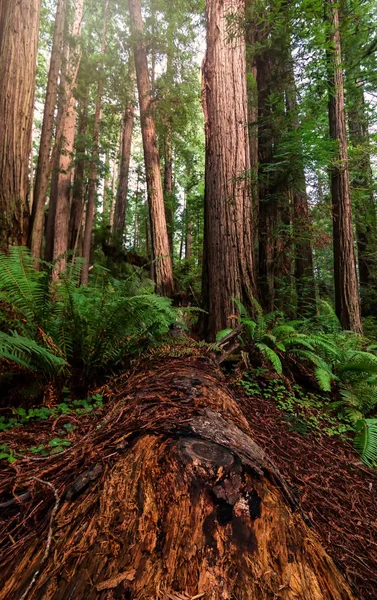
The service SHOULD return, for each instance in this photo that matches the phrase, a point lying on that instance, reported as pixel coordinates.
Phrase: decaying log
(177, 502)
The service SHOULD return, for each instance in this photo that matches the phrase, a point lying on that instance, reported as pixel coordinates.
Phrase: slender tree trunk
(62, 213)
(252, 97)
(362, 191)
(228, 236)
(304, 269)
(78, 197)
(113, 192)
(19, 29)
(267, 204)
(188, 241)
(92, 191)
(43, 168)
(163, 269)
(168, 188)
(121, 197)
(347, 303)
(106, 188)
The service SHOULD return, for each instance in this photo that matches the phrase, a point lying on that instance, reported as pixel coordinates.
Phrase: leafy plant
(366, 441)
(53, 327)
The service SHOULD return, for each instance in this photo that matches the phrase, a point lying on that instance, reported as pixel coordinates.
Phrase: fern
(366, 440)
(29, 354)
(271, 355)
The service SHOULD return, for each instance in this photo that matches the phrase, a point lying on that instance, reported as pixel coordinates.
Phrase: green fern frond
(29, 354)
(271, 356)
(223, 333)
(366, 441)
(324, 379)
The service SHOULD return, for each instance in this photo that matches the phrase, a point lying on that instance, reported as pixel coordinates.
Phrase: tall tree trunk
(78, 196)
(163, 269)
(168, 188)
(228, 231)
(362, 183)
(252, 97)
(362, 191)
(43, 168)
(267, 205)
(19, 29)
(62, 213)
(113, 190)
(304, 269)
(92, 190)
(347, 303)
(121, 197)
(176, 502)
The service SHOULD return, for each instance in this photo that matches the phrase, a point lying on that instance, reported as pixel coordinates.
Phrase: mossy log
(172, 500)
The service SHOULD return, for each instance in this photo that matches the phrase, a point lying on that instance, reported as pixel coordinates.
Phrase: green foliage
(55, 327)
(22, 416)
(366, 441)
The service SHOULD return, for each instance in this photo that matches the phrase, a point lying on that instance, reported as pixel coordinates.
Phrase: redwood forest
(188, 300)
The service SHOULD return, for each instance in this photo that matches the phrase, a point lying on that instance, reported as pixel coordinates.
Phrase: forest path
(170, 495)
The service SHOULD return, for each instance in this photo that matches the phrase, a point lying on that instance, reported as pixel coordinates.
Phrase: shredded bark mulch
(336, 491)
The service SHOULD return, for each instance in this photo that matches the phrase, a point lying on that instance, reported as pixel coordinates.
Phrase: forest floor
(335, 491)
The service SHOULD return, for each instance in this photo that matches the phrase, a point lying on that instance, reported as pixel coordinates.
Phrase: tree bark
(63, 204)
(121, 197)
(92, 189)
(267, 205)
(163, 270)
(362, 191)
(228, 236)
(19, 29)
(252, 97)
(168, 188)
(347, 302)
(304, 268)
(165, 500)
(78, 195)
(43, 167)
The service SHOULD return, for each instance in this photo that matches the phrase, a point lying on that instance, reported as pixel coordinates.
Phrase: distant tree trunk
(113, 191)
(167, 141)
(228, 231)
(78, 196)
(121, 197)
(106, 189)
(163, 269)
(252, 97)
(92, 190)
(43, 167)
(304, 269)
(19, 29)
(168, 188)
(188, 241)
(347, 303)
(362, 192)
(62, 212)
(63, 104)
(267, 203)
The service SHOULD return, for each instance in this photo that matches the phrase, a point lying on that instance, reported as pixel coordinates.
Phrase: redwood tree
(347, 303)
(19, 26)
(163, 270)
(62, 213)
(121, 197)
(228, 241)
(44, 168)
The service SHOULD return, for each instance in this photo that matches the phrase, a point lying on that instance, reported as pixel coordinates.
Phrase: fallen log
(169, 498)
